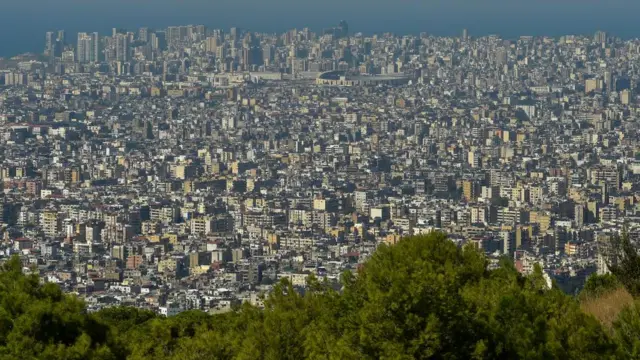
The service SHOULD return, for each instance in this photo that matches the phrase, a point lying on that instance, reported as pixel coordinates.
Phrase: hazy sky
(25, 21)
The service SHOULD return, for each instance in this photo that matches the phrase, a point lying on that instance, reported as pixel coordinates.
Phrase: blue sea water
(25, 22)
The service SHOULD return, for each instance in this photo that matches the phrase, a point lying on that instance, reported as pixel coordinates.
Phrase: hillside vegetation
(422, 298)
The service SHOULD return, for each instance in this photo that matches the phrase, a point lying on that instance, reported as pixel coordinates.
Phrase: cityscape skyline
(188, 169)
(494, 17)
(344, 180)
(244, 149)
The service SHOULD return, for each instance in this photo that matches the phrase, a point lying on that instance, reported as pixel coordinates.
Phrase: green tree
(623, 261)
(424, 297)
(626, 331)
(597, 285)
(40, 322)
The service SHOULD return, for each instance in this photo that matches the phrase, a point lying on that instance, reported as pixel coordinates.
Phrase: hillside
(422, 298)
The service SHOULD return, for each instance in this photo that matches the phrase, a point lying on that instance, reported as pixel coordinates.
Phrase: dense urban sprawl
(190, 168)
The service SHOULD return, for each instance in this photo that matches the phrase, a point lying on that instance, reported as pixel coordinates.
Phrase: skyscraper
(234, 33)
(158, 40)
(344, 29)
(608, 80)
(62, 37)
(122, 47)
(143, 34)
(49, 44)
(267, 54)
(95, 47)
(88, 48)
(501, 56)
(251, 56)
(625, 97)
(173, 35)
(211, 44)
(200, 31)
(220, 52)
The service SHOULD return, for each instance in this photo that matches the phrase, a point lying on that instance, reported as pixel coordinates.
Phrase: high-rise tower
(88, 48)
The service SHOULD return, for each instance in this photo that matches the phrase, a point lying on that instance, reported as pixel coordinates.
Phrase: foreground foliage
(39, 321)
(422, 298)
(623, 261)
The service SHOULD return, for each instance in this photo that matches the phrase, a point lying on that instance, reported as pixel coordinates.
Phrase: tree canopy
(623, 261)
(38, 321)
(424, 297)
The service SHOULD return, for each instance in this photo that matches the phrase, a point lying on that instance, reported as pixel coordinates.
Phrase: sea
(25, 22)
